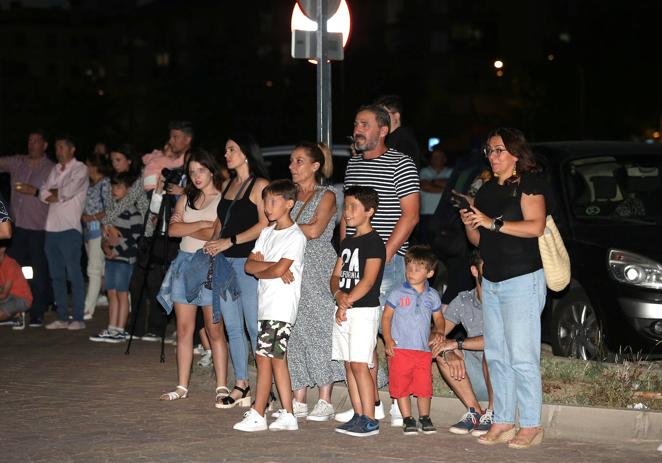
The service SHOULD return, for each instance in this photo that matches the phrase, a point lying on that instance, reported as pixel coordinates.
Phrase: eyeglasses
(489, 151)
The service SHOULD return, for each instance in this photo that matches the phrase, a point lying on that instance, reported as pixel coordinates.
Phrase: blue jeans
(512, 311)
(63, 251)
(239, 316)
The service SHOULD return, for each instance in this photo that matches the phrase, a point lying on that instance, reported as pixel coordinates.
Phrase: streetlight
(321, 44)
(498, 65)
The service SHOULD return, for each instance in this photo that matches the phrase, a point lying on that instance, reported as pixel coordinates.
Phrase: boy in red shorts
(406, 328)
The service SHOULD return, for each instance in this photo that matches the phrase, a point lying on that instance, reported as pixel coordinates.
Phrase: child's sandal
(221, 393)
(175, 395)
(230, 402)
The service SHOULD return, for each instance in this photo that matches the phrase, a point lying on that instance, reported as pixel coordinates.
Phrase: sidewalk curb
(591, 424)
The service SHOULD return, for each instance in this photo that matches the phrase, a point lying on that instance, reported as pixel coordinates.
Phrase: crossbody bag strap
(296, 219)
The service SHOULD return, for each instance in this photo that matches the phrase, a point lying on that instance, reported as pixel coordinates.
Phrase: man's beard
(365, 144)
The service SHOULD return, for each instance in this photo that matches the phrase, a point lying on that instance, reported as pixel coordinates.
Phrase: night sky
(120, 70)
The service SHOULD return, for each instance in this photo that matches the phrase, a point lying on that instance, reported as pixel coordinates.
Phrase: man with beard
(395, 178)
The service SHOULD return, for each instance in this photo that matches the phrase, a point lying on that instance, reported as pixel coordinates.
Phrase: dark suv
(609, 210)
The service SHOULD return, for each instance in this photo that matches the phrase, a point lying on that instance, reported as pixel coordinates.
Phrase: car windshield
(620, 188)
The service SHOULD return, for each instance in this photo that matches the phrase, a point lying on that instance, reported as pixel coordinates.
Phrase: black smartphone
(461, 202)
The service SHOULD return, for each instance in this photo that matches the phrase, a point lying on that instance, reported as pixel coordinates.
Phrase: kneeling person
(15, 294)
(463, 364)
(407, 338)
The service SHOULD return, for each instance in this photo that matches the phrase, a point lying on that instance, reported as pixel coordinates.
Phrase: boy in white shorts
(277, 261)
(355, 286)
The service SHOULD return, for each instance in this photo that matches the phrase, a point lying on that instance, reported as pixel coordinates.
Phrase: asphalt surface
(66, 399)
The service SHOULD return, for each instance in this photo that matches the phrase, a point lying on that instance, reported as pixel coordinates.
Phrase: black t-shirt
(506, 256)
(402, 139)
(354, 251)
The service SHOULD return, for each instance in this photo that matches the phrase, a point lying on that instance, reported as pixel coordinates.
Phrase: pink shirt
(154, 163)
(28, 211)
(71, 182)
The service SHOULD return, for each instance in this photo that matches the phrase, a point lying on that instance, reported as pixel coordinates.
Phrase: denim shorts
(473, 363)
(179, 267)
(117, 275)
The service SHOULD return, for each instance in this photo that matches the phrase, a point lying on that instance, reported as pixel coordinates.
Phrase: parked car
(609, 210)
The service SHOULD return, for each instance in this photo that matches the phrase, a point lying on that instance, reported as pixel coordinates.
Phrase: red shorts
(410, 372)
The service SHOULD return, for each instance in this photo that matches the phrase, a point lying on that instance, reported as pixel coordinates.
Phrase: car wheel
(576, 330)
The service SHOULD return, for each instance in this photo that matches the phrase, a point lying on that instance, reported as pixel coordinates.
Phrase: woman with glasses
(505, 221)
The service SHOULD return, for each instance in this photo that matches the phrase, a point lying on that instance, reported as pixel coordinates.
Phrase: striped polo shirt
(393, 175)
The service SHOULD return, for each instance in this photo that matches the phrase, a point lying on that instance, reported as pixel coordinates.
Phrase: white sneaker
(57, 325)
(87, 316)
(205, 359)
(198, 350)
(252, 422)
(284, 422)
(344, 417)
(300, 410)
(323, 411)
(396, 416)
(379, 411)
(76, 325)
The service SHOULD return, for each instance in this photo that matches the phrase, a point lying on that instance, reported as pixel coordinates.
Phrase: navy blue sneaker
(364, 427)
(467, 423)
(343, 428)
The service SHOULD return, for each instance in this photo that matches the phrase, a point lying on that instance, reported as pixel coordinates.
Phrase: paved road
(65, 399)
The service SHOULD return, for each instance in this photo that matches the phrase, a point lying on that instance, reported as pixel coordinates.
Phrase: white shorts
(356, 338)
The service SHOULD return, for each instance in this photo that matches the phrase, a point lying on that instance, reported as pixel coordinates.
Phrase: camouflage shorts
(272, 337)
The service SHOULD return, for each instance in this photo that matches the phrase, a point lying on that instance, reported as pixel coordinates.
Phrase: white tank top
(188, 243)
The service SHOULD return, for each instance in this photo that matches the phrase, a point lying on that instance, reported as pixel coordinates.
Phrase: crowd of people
(181, 229)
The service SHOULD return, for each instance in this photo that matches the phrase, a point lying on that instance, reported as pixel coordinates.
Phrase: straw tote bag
(555, 259)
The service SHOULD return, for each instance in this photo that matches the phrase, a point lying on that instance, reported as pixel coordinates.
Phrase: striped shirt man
(393, 175)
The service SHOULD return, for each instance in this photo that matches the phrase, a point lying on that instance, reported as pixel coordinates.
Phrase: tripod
(160, 231)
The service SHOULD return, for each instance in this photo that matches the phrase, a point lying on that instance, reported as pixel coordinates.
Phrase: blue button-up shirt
(410, 326)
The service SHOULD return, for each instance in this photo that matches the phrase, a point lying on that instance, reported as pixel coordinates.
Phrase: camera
(172, 175)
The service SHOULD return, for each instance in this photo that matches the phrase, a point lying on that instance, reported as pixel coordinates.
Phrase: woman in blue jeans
(240, 219)
(505, 222)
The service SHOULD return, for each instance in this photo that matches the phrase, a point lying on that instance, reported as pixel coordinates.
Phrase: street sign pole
(324, 122)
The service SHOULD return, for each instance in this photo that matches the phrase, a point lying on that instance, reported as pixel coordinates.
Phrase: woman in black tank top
(240, 220)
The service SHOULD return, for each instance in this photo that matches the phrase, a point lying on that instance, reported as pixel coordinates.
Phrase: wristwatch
(459, 341)
(233, 239)
(497, 224)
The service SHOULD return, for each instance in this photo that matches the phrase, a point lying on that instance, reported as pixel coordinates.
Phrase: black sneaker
(343, 428)
(409, 426)
(426, 426)
(36, 323)
(364, 427)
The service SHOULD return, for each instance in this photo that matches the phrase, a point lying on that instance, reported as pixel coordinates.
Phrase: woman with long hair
(505, 222)
(309, 348)
(123, 158)
(193, 221)
(240, 219)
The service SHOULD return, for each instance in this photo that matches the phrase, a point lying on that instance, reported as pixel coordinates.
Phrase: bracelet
(443, 355)
(334, 294)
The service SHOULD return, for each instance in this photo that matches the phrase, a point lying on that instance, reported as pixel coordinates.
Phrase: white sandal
(221, 393)
(175, 395)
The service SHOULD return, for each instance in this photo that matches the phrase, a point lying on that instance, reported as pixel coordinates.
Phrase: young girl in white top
(193, 220)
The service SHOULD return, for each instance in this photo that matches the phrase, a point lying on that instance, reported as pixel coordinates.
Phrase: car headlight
(633, 269)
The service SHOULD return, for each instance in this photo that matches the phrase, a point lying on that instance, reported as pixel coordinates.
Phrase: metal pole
(323, 77)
